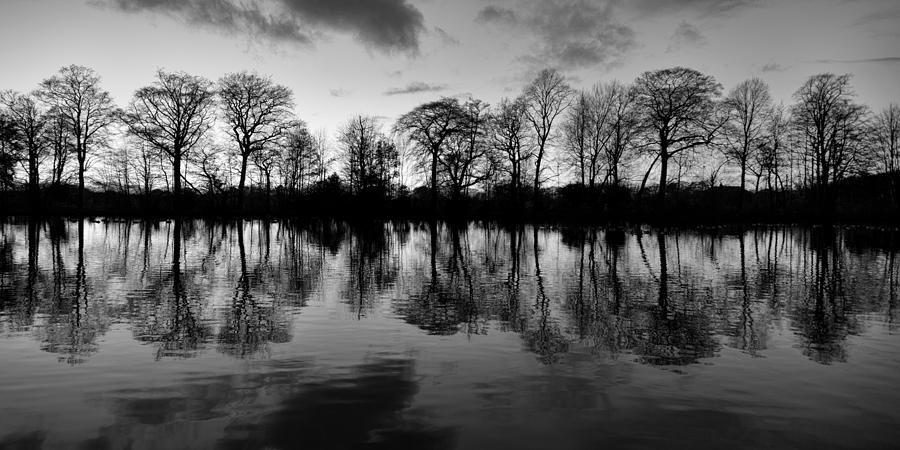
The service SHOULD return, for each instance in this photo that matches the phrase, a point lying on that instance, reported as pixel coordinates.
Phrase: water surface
(260, 334)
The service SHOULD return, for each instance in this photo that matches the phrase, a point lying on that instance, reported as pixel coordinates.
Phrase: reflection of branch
(663, 273)
(644, 256)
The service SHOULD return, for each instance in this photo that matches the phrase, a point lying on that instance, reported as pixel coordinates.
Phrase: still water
(415, 335)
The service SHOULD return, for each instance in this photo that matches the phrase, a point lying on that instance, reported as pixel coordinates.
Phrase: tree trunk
(582, 172)
(146, 194)
(434, 192)
(663, 175)
(81, 170)
(663, 300)
(33, 179)
(268, 192)
(516, 184)
(537, 177)
(743, 184)
(242, 181)
(647, 176)
(176, 173)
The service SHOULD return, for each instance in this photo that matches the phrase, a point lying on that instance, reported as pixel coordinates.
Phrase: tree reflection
(75, 319)
(250, 325)
(674, 330)
(447, 299)
(169, 316)
(543, 336)
(372, 267)
(823, 312)
(660, 297)
(183, 333)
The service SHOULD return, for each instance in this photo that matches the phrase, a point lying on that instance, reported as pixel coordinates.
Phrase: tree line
(186, 136)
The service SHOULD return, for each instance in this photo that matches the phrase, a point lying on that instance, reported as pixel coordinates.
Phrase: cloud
(223, 15)
(387, 26)
(338, 92)
(882, 60)
(890, 15)
(445, 37)
(569, 34)
(392, 25)
(686, 35)
(700, 8)
(496, 14)
(416, 87)
(773, 67)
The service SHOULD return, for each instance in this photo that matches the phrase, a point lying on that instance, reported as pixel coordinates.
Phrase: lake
(254, 334)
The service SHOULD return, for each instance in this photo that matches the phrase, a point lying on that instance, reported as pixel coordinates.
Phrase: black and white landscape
(474, 224)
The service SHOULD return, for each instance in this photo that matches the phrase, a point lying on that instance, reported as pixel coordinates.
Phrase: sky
(384, 57)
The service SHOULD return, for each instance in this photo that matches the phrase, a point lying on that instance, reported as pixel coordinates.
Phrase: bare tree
(115, 171)
(624, 122)
(59, 140)
(75, 94)
(266, 160)
(678, 110)
(887, 146)
(29, 121)
(9, 149)
(748, 106)
(831, 126)
(143, 164)
(322, 157)
(172, 114)
(546, 97)
(257, 113)
(211, 162)
(370, 159)
(465, 161)
(576, 131)
(599, 131)
(772, 150)
(297, 158)
(509, 137)
(428, 126)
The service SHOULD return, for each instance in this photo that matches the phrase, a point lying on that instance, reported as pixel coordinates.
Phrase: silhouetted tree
(266, 161)
(8, 151)
(116, 173)
(678, 108)
(428, 126)
(576, 130)
(322, 159)
(623, 126)
(771, 151)
(370, 160)
(831, 126)
(748, 106)
(546, 97)
(600, 131)
(257, 113)
(144, 166)
(509, 137)
(172, 115)
(298, 159)
(75, 94)
(465, 160)
(211, 162)
(887, 146)
(59, 140)
(29, 121)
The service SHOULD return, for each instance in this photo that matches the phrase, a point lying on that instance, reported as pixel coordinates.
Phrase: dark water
(276, 335)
